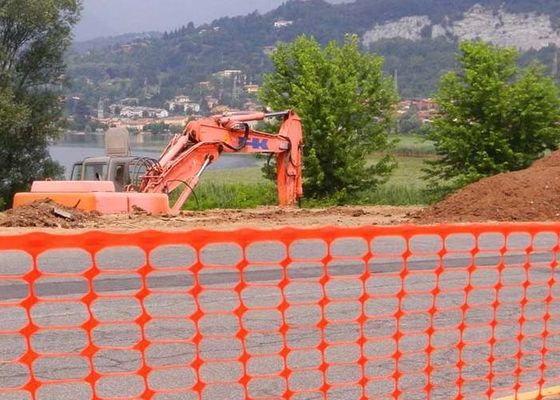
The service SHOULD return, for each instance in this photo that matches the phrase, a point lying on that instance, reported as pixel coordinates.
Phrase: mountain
(101, 18)
(417, 38)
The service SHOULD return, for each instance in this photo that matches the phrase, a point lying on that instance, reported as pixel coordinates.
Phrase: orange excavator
(120, 183)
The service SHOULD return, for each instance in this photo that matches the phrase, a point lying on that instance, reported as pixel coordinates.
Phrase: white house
(132, 112)
(160, 113)
(282, 23)
(140, 112)
(191, 107)
(228, 73)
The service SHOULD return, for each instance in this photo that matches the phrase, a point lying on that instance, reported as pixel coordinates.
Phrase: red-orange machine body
(181, 165)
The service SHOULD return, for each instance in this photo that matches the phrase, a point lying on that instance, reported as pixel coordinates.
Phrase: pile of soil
(46, 214)
(528, 195)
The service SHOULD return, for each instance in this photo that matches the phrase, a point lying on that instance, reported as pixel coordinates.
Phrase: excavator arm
(203, 141)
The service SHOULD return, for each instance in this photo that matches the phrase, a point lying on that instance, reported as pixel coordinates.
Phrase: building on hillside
(282, 23)
(425, 104)
(181, 120)
(131, 112)
(251, 88)
(101, 109)
(136, 124)
(228, 73)
(425, 109)
(191, 107)
(178, 103)
(143, 112)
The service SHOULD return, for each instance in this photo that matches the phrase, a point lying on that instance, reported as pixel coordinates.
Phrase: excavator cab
(106, 184)
(122, 171)
(118, 166)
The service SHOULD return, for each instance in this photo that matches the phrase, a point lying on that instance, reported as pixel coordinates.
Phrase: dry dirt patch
(46, 214)
(41, 216)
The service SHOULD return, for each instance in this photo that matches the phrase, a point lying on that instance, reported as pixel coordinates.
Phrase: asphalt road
(170, 332)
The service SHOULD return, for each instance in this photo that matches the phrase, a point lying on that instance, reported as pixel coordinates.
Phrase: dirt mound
(532, 194)
(46, 214)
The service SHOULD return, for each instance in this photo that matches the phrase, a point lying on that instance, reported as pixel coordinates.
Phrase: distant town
(227, 91)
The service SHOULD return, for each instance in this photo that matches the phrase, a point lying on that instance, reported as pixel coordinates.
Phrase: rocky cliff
(523, 31)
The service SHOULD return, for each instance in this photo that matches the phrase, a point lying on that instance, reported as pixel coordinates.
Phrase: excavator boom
(203, 141)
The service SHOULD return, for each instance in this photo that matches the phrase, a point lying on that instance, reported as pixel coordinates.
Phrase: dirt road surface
(260, 218)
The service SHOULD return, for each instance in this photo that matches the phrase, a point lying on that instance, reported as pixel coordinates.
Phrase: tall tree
(494, 117)
(345, 103)
(34, 34)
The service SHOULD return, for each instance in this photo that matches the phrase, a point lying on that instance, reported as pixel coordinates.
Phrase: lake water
(73, 148)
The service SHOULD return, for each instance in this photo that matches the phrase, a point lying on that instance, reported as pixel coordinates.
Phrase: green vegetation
(237, 188)
(232, 195)
(345, 103)
(412, 146)
(247, 188)
(34, 34)
(494, 117)
(161, 127)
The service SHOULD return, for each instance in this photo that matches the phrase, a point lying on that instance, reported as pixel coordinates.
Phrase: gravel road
(324, 293)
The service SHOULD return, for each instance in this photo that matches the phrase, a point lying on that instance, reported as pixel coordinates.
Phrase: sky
(115, 17)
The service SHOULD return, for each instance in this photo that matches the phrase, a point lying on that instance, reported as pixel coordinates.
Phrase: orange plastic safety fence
(450, 312)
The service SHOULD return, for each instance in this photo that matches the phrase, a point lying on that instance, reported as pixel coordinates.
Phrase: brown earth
(528, 195)
(41, 216)
(46, 214)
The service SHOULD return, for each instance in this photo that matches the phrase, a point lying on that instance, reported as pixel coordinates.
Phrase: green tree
(34, 35)
(494, 117)
(345, 103)
(409, 122)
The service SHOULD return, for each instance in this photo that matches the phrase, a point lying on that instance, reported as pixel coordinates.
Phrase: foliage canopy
(494, 117)
(345, 102)
(34, 35)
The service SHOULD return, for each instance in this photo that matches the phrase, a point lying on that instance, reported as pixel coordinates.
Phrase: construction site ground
(43, 217)
(528, 195)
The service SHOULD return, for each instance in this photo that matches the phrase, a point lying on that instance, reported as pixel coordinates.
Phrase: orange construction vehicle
(119, 183)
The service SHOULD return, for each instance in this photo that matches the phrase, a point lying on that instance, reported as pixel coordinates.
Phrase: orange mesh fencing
(443, 312)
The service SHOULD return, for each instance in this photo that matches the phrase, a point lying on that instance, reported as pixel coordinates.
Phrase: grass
(408, 172)
(236, 188)
(395, 195)
(247, 188)
(232, 195)
(247, 175)
(412, 146)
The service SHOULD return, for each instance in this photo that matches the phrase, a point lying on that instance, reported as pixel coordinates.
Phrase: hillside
(109, 41)
(417, 37)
